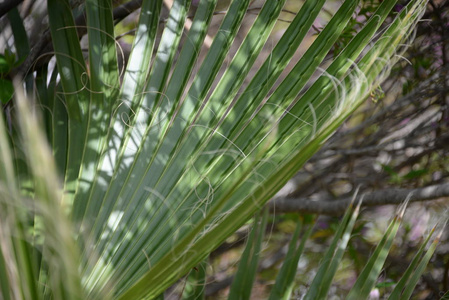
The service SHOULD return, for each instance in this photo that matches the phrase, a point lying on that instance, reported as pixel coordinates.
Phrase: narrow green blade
(283, 287)
(246, 273)
(75, 97)
(411, 284)
(320, 283)
(20, 35)
(104, 81)
(71, 65)
(396, 293)
(138, 67)
(368, 277)
(336, 260)
(132, 87)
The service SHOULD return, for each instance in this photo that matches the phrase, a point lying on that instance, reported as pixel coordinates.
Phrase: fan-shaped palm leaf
(161, 167)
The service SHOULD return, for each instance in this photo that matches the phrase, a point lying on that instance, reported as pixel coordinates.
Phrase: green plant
(157, 170)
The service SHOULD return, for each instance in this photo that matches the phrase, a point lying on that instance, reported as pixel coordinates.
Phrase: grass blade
(59, 252)
(20, 277)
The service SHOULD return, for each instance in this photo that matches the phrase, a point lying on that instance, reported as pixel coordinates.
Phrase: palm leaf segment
(163, 166)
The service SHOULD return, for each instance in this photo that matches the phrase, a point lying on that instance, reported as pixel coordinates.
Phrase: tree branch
(125, 9)
(376, 198)
(7, 5)
(45, 43)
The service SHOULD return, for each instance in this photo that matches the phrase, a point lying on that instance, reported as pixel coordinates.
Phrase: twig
(7, 5)
(376, 198)
(45, 46)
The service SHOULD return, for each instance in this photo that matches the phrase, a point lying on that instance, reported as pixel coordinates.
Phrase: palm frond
(160, 167)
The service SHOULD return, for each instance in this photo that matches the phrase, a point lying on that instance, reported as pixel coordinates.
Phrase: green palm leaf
(161, 167)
